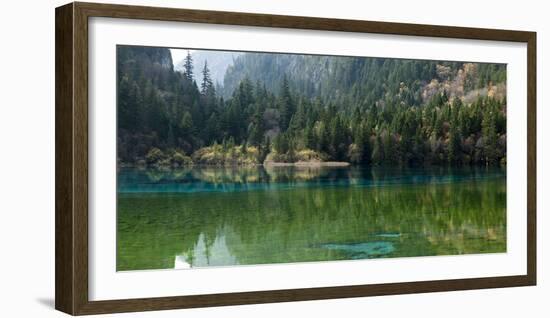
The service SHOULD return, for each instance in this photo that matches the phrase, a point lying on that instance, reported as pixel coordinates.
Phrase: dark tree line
(376, 114)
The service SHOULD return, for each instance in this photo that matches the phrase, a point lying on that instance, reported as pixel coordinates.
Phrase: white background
(106, 283)
(27, 159)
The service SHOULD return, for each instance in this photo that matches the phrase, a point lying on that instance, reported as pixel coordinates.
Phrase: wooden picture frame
(71, 90)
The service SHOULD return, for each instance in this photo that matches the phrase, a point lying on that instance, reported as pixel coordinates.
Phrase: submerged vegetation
(301, 108)
(211, 216)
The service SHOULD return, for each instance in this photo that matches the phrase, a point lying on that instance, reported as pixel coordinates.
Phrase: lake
(227, 216)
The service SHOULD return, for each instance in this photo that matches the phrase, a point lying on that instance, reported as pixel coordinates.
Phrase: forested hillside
(358, 81)
(289, 108)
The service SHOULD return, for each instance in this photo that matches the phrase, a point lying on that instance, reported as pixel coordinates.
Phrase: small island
(228, 156)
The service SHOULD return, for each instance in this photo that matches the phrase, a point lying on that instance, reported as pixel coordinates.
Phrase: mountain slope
(286, 108)
(357, 80)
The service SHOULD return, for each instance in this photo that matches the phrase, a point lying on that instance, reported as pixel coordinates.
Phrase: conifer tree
(207, 86)
(188, 67)
(285, 104)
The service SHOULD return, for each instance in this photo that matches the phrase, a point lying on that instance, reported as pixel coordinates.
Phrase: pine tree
(207, 86)
(256, 131)
(309, 138)
(337, 139)
(281, 143)
(286, 107)
(454, 151)
(490, 153)
(377, 151)
(323, 144)
(291, 150)
(188, 67)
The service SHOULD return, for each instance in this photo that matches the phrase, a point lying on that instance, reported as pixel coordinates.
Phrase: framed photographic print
(211, 158)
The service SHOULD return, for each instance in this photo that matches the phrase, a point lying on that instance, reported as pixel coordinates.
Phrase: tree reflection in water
(229, 216)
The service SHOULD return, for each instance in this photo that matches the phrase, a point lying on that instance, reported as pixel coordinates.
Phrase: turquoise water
(215, 216)
(233, 179)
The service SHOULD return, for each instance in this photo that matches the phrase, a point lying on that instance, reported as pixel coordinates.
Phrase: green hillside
(360, 110)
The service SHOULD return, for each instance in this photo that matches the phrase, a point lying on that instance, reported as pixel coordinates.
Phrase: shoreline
(307, 164)
(299, 164)
(303, 164)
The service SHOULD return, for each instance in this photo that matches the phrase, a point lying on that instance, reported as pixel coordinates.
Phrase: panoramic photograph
(229, 158)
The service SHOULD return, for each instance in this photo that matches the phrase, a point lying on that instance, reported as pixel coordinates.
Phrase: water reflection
(206, 254)
(232, 179)
(229, 216)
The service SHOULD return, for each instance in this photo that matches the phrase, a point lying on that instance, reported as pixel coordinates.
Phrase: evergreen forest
(288, 108)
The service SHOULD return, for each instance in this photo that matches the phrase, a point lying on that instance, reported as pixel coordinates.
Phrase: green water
(234, 216)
